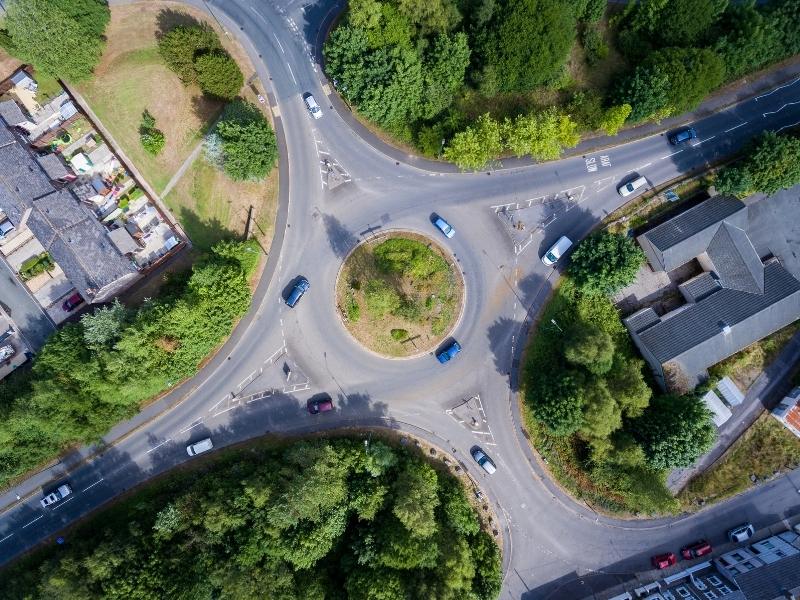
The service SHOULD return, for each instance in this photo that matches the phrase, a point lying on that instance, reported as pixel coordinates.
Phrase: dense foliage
(242, 142)
(196, 55)
(152, 139)
(605, 262)
(591, 412)
(63, 38)
(771, 163)
(91, 374)
(313, 520)
(428, 72)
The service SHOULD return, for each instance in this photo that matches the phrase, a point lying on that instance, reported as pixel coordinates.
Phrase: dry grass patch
(399, 295)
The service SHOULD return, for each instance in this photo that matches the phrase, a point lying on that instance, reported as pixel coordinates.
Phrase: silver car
(199, 447)
(742, 533)
(57, 495)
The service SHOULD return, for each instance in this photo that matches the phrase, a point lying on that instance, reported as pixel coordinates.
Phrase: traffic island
(399, 294)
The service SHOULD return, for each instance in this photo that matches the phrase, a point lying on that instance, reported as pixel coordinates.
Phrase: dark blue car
(449, 352)
(682, 135)
(300, 288)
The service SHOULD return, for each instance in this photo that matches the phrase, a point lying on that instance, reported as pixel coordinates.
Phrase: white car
(556, 251)
(313, 107)
(199, 447)
(56, 495)
(628, 188)
(742, 533)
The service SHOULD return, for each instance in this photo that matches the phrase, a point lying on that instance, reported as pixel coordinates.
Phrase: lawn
(132, 78)
(763, 450)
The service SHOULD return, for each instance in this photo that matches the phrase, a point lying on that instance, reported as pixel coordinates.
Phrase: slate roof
(735, 260)
(700, 287)
(687, 235)
(21, 180)
(641, 320)
(53, 166)
(12, 114)
(771, 581)
(702, 321)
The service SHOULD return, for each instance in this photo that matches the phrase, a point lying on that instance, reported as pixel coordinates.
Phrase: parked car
(626, 189)
(199, 447)
(449, 352)
(72, 302)
(57, 495)
(484, 461)
(742, 533)
(444, 227)
(662, 561)
(699, 548)
(682, 135)
(556, 251)
(312, 106)
(300, 288)
(318, 405)
(7, 227)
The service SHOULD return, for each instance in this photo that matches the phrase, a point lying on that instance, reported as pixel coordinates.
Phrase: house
(734, 302)
(788, 411)
(22, 80)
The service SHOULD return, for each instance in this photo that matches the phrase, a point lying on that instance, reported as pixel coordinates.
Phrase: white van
(313, 107)
(199, 447)
(556, 251)
(628, 188)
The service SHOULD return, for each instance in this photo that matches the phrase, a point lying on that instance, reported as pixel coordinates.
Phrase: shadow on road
(340, 239)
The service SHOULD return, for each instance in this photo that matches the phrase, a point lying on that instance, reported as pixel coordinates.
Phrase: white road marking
(224, 410)
(159, 446)
(772, 112)
(644, 166)
(605, 161)
(276, 39)
(34, 521)
(737, 127)
(288, 66)
(199, 422)
(5, 538)
(64, 502)
(776, 89)
(94, 484)
(785, 126)
(705, 140)
(673, 154)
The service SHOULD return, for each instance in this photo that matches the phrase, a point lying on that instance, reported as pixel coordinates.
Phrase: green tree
(626, 383)
(771, 163)
(601, 413)
(477, 145)
(181, 45)
(590, 347)
(431, 16)
(674, 431)
(105, 326)
(380, 298)
(529, 43)
(249, 147)
(646, 91)
(605, 262)
(687, 22)
(544, 135)
(59, 37)
(218, 75)
(444, 73)
(416, 498)
(594, 11)
(614, 118)
(558, 403)
(152, 139)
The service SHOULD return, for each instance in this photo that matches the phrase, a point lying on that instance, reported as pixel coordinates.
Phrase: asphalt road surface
(280, 357)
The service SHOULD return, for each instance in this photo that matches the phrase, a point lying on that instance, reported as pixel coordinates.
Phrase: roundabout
(399, 294)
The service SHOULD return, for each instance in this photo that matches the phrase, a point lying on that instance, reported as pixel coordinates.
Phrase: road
(278, 358)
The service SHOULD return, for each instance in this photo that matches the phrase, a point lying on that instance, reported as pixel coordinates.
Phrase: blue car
(449, 352)
(682, 135)
(445, 227)
(297, 292)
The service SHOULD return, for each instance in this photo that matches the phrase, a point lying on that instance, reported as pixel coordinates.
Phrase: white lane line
(777, 88)
(288, 66)
(159, 446)
(94, 484)
(200, 422)
(644, 166)
(276, 39)
(5, 538)
(216, 414)
(705, 140)
(64, 502)
(786, 126)
(34, 521)
(772, 112)
(673, 154)
(737, 127)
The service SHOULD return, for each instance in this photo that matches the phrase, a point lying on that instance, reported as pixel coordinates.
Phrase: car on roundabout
(444, 227)
(486, 463)
(300, 288)
(449, 353)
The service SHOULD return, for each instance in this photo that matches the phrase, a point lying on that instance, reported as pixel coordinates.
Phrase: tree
(181, 45)
(59, 37)
(646, 91)
(152, 139)
(594, 11)
(431, 16)
(218, 75)
(626, 383)
(614, 118)
(544, 135)
(558, 403)
(444, 71)
(104, 327)
(380, 298)
(601, 413)
(529, 43)
(478, 144)
(687, 22)
(249, 147)
(416, 498)
(771, 163)
(590, 347)
(674, 431)
(605, 263)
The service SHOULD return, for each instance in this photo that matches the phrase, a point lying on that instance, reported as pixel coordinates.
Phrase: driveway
(34, 324)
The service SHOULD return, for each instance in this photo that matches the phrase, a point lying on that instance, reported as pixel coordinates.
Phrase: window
(725, 589)
(714, 580)
(710, 594)
(683, 592)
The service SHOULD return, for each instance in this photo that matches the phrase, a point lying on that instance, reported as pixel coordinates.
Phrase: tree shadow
(207, 110)
(169, 18)
(205, 233)
(319, 17)
(340, 239)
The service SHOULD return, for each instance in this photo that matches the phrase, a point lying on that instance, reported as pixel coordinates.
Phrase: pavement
(554, 547)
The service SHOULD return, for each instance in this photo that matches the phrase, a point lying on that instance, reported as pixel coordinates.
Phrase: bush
(36, 265)
(180, 46)
(352, 309)
(248, 145)
(219, 75)
(399, 334)
(408, 258)
(771, 163)
(594, 45)
(152, 139)
(380, 298)
(605, 263)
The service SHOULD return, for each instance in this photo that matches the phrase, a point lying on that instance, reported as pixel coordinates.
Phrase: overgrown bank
(310, 520)
(94, 373)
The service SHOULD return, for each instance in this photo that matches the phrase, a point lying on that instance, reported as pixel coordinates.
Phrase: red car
(662, 561)
(699, 548)
(72, 302)
(318, 405)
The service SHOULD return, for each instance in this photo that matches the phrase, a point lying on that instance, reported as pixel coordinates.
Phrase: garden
(399, 295)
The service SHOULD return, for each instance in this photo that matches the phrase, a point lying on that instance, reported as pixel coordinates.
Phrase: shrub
(249, 147)
(152, 139)
(380, 298)
(180, 46)
(605, 263)
(399, 334)
(771, 163)
(594, 45)
(408, 258)
(352, 309)
(219, 75)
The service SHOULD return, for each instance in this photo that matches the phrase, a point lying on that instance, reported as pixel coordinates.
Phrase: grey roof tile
(771, 581)
(53, 166)
(12, 114)
(699, 287)
(21, 173)
(735, 260)
(641, 320)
